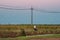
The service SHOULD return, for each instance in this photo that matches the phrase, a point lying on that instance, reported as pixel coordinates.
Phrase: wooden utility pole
(31, 15)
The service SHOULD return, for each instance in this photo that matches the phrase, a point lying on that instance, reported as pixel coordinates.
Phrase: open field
(12, 30)
(44, 37)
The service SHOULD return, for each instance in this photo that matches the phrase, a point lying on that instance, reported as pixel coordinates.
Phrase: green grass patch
(31, 37)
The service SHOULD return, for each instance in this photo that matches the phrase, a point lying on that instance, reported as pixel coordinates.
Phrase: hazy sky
(44, 4)
(14, 16)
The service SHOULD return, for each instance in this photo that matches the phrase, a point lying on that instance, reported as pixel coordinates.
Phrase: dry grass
(42, 29)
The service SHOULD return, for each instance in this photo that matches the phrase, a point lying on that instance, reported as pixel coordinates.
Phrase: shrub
(23, 32)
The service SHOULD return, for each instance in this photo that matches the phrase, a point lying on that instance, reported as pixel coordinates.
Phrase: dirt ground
(46, 39)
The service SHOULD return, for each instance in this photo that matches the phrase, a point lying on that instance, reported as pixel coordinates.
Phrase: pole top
(31, 8)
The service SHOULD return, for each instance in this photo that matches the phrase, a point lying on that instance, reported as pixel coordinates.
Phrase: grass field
(31, 37)
(18, 30)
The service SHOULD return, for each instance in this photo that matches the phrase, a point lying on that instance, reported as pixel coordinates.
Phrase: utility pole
(31, 15)
(35, 28)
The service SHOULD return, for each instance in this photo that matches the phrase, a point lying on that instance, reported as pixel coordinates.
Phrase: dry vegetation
(23, 30)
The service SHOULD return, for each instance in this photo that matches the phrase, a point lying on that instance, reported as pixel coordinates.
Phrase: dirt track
(46, 39)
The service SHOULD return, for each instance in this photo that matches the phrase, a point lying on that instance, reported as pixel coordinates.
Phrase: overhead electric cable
(46, 11)
(9, 8)
(40, 10)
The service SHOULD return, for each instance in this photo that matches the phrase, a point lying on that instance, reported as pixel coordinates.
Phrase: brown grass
(15, 30)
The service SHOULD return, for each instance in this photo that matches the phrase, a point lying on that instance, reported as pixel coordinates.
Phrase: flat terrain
(15, 32)
(46, 39)
(42, 37)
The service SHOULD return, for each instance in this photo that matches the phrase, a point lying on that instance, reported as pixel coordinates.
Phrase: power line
(9, 8)
(21, 9)
(44, 11)
(12, 8)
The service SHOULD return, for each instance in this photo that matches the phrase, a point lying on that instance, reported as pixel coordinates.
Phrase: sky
(23, 16)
